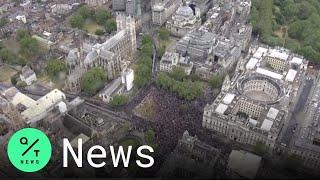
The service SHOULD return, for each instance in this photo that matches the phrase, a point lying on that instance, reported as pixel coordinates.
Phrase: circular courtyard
(260, 89)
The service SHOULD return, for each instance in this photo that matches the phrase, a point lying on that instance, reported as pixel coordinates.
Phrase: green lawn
(6, 73)
(91, 26)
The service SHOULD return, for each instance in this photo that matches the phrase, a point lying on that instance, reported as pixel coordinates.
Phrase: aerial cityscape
(217, 89)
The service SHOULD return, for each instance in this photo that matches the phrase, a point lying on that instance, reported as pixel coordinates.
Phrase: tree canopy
(178, 74)
(29, 46)
(294, 24)
(55, 67)
(143, 72)
(184, 88)
(77, 21)
(110, 25)
(119, 100)
(163, 34)
(84, 12)
(216, 81)
(102, 16)
(93, 80)
(10, 58)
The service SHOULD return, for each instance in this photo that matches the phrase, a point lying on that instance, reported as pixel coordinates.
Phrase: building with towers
(113, 55)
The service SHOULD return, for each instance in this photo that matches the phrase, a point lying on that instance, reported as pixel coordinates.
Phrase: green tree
(305, 10)
(178, 74)
(99, 32)
(146, 39)
(301, 18)
(164, 81)
(309, 53)
(7, 56)
(185, 89)
(296, 29)
(85, 12)
(119, 100)
(55, 67)
(102, 16)
(93, 80)
(29, 47)
(21, 34)
(147, 50)
(143, 74)
(216, 81)
(194, 77)
(163, 34)
(111, 25)
(14, 80)
(76, 21)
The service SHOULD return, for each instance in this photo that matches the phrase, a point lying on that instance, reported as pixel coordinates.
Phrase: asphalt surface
(293, 122)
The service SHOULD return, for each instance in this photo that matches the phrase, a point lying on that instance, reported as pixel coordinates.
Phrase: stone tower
(128, 23)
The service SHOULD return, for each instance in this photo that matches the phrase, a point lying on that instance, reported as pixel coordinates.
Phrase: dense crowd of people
(172, 118)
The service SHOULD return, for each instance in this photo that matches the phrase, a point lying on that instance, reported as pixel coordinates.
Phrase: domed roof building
(184, 20)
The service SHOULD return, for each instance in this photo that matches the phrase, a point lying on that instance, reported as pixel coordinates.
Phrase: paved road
(300, 104)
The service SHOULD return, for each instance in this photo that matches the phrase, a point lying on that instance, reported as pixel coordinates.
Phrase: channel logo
(29, 150)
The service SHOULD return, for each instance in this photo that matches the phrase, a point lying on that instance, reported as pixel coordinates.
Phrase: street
(293, 123)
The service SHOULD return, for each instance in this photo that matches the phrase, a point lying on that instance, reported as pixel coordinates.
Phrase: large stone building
(113, 55)
(118, 5)
(254, 104)
(197, 44)
(193, 159)
(131, 7)
(163, 9)
(171, 60)
(210, 54)
(118, 86)
(307, 140)
(184, 20)
(216, 46)
(31, 111)
(202, 5)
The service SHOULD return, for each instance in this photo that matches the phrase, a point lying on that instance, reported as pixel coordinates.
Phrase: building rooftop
(269, 73)
(273, 113)
(252, 63)
(244, 163)
(42, 105)
(274, 53)
(266, 125)
(221, 108)
(296, 60)
(291, 75)
(228, 98)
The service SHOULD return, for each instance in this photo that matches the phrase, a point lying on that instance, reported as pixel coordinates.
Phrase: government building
(254, 103)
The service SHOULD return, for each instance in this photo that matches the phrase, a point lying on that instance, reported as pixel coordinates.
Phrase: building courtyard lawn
(91, 26)
(5, 74)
